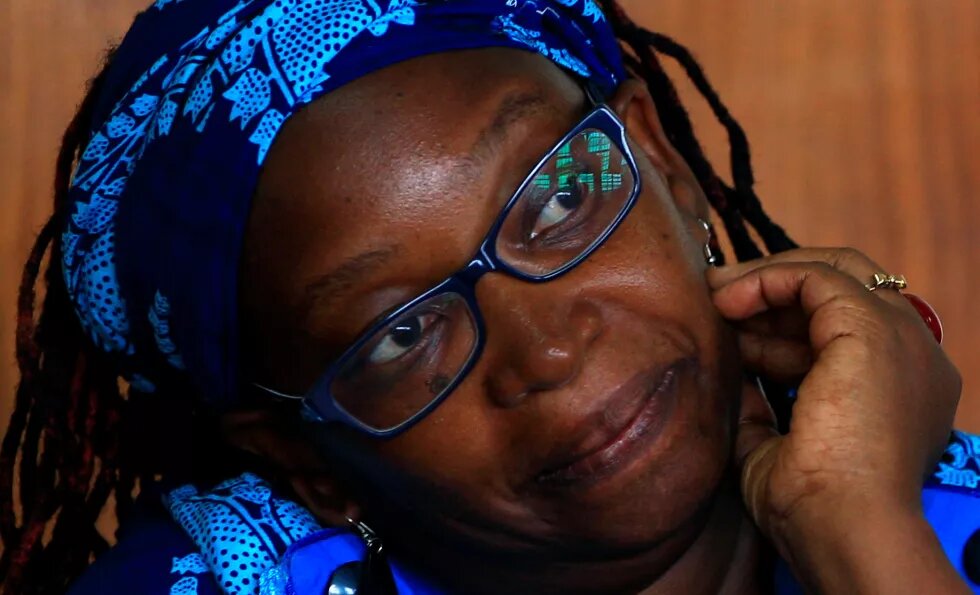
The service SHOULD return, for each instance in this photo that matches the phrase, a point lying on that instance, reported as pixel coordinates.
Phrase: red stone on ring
(928, 315)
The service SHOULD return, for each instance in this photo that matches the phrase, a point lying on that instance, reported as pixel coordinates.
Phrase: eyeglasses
(404, 366)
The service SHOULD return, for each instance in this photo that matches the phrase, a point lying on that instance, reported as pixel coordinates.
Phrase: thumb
(756, 469)
(756, 421)
(756, 444)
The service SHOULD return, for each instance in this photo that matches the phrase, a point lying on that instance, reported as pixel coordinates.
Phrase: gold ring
(885, 281)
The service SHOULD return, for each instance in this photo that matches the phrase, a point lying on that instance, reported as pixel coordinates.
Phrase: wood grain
(864, 117)
(48, 50)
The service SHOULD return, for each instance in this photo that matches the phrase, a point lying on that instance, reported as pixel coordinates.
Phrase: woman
(439, 272)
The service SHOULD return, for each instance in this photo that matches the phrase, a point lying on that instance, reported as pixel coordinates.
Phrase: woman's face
(596, 427)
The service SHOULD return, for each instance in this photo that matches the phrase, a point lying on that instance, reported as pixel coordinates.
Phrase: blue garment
(287, 553)
(195, 97)
(153, 556)
(240, 527)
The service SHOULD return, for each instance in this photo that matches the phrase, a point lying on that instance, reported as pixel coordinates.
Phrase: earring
(372, 576)
(709, 255)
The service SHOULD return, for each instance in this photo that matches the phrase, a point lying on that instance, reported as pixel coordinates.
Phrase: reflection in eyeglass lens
(570, 203)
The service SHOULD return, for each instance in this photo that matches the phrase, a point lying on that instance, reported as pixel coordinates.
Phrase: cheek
(655, 257)
(458, 448)
(662, 262)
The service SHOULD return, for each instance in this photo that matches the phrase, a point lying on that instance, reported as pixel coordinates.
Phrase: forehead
(430, 108)
(424, 149)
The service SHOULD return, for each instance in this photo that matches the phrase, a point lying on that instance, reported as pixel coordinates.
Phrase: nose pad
(538, 344)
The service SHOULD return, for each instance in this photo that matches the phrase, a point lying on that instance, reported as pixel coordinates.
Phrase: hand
(876, 399)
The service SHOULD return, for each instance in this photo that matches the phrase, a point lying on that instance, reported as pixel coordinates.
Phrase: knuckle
(955, 377)
(852, 306)
(846, 256)
(909, 325)
(913, 330)
(851, 260)
(956, 382)
(823, 270)
(850, 315)
(854, 262)
(944, 365)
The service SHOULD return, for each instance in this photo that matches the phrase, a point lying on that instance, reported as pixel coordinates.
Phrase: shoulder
(951, 501)
(153, 557)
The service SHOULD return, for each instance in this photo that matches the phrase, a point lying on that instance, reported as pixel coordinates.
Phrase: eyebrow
(329, 286)
(513, 108)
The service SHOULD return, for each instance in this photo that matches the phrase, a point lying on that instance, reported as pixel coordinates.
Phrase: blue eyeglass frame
(320, 405)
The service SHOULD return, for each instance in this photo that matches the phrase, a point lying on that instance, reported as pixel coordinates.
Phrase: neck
(725, 556)
(729, 557)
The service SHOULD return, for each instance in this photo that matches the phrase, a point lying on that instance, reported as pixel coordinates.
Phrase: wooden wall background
(864, 117)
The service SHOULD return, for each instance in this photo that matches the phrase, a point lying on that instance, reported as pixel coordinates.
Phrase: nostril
(541, 366)
(506, 389)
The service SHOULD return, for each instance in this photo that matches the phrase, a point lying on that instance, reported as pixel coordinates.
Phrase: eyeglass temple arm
(593, 94)
(276, 393)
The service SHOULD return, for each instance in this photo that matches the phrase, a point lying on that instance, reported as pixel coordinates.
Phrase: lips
(629, 419)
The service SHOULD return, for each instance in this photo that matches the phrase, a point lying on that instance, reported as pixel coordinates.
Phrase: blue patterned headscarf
(193, 100)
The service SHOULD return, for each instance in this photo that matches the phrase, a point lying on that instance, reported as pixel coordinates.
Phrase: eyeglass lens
(568, 206)
(407, 364)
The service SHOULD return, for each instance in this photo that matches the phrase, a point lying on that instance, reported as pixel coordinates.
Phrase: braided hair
(75, 438)
(737, 205)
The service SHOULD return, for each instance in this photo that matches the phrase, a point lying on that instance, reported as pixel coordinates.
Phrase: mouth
(627, 422)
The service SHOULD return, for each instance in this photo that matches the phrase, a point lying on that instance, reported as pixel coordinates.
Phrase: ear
(635, 106)
(279, 442)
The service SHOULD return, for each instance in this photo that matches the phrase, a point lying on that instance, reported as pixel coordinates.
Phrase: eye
(402, 338)
(559, 207)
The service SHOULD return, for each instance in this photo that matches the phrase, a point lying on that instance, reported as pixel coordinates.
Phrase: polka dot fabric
(192, 104)
(310, 37)
(97, 294)
(240, 527)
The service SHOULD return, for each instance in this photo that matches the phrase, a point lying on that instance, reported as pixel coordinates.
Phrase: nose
(538, 336)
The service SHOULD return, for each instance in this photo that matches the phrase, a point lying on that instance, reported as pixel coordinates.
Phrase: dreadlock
(75, 439)
(65, 412)
(736, 205)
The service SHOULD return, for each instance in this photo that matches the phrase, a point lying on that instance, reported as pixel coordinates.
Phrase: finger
(835, 304)
(788, 323)
(756, 420)
(756, 469)
(808, 285)
(846, 260)
(755, 447)
(782, 360)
